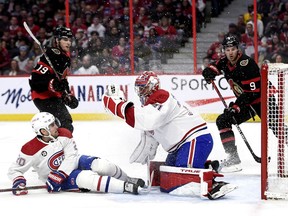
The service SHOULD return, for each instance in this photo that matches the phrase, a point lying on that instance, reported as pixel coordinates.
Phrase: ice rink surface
(115, 141)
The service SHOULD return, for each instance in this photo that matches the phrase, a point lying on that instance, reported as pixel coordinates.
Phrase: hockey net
(274, 117)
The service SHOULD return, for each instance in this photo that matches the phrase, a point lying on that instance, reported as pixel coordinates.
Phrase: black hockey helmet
(62, 32)
(230, 41)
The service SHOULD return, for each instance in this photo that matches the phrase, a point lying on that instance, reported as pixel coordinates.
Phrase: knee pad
(223, 122)
(104, 167)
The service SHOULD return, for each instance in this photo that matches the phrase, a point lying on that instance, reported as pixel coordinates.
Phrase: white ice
(115, 141)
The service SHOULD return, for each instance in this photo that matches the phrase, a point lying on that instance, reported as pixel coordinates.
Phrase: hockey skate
(137, 181)
(231, 164)
(220, 189)
(130, 188)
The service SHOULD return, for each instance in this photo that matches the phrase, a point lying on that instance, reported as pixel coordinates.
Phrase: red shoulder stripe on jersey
(256, 90)
(32, 147)
(256, 79)
(65, 132)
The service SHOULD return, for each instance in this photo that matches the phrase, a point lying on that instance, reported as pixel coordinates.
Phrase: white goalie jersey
(60, 154)
(167, 121)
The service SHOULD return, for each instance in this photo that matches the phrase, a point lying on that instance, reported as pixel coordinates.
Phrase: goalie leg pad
(155, 166)
(186, 181)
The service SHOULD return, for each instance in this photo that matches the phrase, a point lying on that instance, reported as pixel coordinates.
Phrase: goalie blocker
(184, 181)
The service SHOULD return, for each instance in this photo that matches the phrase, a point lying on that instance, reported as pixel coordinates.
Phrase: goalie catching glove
(114, 101)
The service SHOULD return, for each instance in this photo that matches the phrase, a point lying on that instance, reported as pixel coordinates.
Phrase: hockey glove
(232, 109)
(54, 181)
(114, 90)
(209, 73)
(116, 105)
(19, 186)
(70, 101)
(56, 85)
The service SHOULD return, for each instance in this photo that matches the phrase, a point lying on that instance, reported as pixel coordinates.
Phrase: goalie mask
(146, 84)
(43, 120)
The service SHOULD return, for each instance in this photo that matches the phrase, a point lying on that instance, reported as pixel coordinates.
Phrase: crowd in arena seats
(101, 31)
(272, 30)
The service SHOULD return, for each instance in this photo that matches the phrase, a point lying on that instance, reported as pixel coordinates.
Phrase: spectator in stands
(23, 57)
(118, 51)
(183, 25)
(28, 67)
(154, 42)
(275, 47)
(247, 41)
(32, 26)
(14, 69)
(274, 25)
(14, 27)
(140, 18)
(241, 26)
(78, 24)
(87, 67)
(112, 37)
(142, 51)
(80, 43)
(96, 26)
(249, 14)
(278, 59)
(95, 45)
(215, 46)
(205, 63)
(168, 35)
(4, 58)
(106, 63)
(233, 30)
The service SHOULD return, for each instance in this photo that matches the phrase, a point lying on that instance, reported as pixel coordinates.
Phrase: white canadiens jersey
(43, 157)
(168, 122)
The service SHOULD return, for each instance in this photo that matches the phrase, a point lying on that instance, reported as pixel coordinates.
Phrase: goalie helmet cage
(274, 148)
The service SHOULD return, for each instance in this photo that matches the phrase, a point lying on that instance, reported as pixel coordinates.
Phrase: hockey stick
(27, 188)
(256, 158)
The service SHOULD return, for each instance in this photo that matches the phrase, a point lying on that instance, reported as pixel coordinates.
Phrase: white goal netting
(277, 121)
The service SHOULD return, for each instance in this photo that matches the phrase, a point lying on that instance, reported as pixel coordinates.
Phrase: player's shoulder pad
(32, 147)
(65, 133)
(245, 60)
(159, 96)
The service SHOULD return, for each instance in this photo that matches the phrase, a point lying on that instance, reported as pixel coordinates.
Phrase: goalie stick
(256, 158)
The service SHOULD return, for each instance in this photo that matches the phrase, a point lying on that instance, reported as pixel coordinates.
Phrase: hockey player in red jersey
(182, 133)
(54, 156)
(49, 85)
(243, 75)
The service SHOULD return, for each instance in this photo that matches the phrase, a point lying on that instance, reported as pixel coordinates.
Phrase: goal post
(274, 144)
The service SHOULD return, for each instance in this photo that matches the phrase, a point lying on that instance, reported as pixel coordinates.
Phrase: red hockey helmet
(147, 83)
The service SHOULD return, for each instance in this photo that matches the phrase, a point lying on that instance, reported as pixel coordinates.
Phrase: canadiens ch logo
(56, 51)
(44, 153)
(55, 160)
(244, 62)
